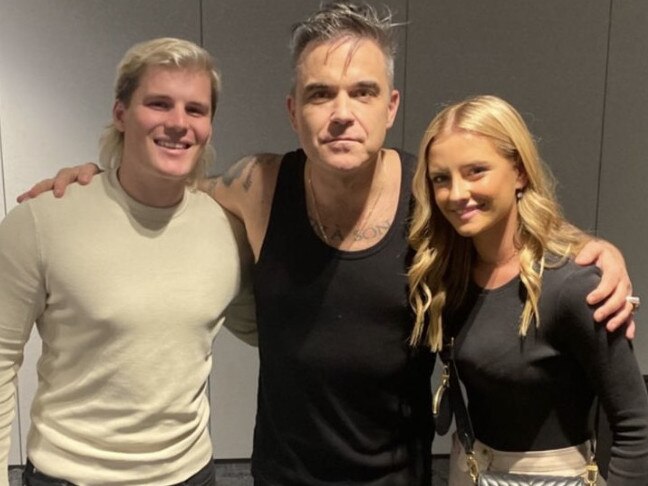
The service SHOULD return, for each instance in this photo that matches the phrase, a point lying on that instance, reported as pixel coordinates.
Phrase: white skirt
(570, 461)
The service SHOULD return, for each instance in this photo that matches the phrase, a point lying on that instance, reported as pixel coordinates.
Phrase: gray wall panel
(623, 204)
(547, 58)
(3, 210)
(250, 43)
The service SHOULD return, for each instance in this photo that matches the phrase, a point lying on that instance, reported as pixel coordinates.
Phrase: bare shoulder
(251, 170)
(246, 189)
(246, 183)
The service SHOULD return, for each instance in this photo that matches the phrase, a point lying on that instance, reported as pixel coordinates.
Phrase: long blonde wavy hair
(442, 263)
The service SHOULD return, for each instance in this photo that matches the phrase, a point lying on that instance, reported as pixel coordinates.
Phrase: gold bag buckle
(438, 394)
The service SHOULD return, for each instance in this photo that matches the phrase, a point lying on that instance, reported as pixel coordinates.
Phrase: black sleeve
(614, 374)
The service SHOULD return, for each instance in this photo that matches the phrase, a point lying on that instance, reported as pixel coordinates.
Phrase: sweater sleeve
(240, 316)
(22, 300)
(613, 372)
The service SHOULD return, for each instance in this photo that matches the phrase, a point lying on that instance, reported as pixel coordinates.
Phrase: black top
(342, 398)
(535, 393)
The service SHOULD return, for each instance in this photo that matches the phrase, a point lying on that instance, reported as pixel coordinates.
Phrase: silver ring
(634, 301)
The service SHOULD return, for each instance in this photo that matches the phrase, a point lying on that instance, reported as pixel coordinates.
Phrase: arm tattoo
(235, 172)
(247, 183)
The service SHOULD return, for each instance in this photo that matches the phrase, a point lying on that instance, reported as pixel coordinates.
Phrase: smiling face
(474, 186)
(166, 126)
(342, 103)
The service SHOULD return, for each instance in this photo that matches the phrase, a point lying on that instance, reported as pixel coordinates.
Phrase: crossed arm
(609, 296)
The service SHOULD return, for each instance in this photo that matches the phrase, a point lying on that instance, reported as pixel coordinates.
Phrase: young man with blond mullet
(128, 280)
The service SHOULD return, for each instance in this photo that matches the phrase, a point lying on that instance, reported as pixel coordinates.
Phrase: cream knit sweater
(127, 300)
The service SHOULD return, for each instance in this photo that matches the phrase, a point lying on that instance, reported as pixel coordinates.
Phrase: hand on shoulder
(610, 295)
(82, 174)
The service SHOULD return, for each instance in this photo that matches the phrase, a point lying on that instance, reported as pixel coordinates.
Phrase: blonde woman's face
(474, 186)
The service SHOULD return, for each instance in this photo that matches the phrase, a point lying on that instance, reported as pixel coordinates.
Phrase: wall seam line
(602, 132)
(202, 26)
(402, 101)
(2, 176)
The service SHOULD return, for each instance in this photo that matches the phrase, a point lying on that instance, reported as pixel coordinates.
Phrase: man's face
(166, 124)
(342, 104)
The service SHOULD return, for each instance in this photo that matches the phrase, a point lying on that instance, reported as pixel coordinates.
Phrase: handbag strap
(465, 431)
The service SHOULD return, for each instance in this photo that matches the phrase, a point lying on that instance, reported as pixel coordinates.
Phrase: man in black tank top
(342, 397)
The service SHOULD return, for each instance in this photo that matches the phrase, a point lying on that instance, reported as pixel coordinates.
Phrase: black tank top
(342, 397)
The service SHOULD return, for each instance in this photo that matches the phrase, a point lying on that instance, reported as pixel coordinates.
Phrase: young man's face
(166, 124)
(342, 104)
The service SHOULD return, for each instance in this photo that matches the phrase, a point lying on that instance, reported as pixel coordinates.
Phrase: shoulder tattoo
(247, 166)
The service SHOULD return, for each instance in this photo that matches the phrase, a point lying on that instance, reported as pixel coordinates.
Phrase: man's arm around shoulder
(246, 190)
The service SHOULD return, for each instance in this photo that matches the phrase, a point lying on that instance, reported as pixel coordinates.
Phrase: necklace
(358, 229)
(499, 263)
(318, 218)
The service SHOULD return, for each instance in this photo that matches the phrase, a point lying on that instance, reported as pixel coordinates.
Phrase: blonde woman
(493, 268)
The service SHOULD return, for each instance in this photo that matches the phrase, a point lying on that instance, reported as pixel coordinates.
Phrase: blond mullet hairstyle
(442, 262)
(166, 52)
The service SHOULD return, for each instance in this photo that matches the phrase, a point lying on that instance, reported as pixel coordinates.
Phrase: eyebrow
(162, 96)
(156, 95)
(473, 163)
(309, 88)
(368, 85)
